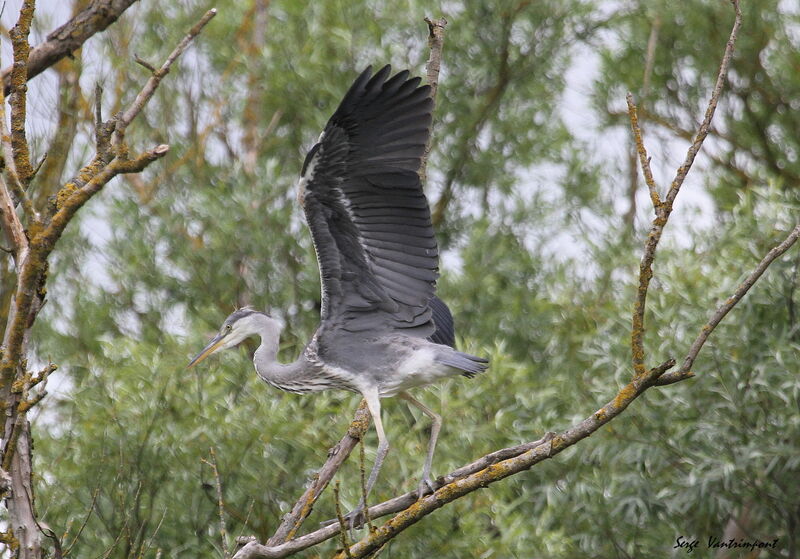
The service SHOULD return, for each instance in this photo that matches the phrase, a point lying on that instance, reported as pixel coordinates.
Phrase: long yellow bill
(212, 346)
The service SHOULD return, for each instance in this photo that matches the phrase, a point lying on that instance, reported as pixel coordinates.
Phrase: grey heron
(382, 330)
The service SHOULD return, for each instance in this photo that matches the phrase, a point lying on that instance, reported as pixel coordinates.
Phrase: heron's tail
(469, 365)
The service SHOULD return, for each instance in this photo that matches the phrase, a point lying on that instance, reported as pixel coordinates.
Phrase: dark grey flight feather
(443, 320)
(368, 215)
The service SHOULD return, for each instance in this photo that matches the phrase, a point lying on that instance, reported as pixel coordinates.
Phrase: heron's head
(239, 325)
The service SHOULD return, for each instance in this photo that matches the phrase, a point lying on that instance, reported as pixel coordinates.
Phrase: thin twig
(664, 209)
(340, 518)
(246, 518)
(39, 165)
(702, 132)
(95, 493)
(649, 62)
(141, 62)
(650, 59)
(152, 83)
(223, 530)
(644, 159)
(149, 544)
(363, 480)
(685, 369)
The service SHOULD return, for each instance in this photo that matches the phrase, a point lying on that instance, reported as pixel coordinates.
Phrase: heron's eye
(228, 327)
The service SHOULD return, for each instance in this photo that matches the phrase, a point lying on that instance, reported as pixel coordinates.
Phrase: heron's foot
(334, 450)
(426, 485)
(355, 518)
(352, 520)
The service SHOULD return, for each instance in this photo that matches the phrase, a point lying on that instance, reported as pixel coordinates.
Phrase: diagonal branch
(336, 457)
(663, 210)
(70, 37)
(56, 227)
(644, 159)
(152, 84)
(684, 371)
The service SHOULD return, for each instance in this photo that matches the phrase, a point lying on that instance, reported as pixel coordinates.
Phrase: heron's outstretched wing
(368, 215)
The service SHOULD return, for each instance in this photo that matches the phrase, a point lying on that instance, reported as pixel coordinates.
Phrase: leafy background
(540, 251)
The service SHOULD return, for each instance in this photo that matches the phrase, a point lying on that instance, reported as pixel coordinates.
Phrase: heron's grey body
(406, 362)
(382, 329)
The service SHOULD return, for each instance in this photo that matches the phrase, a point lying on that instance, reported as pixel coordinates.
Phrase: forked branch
(664, 209)
(152, 84)
(68, 38)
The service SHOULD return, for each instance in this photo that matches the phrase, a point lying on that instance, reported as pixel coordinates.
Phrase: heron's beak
(212, 346)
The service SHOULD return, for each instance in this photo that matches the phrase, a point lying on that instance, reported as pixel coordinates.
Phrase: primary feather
(368, 216)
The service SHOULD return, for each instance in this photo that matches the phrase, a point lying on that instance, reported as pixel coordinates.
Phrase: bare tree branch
(223, 530)
(684, 371)
(663, 210)
(70, 37)
(78, 198)
(644, 159)
(32, 250)
(152, 84)
(336, 457)
(435, 44)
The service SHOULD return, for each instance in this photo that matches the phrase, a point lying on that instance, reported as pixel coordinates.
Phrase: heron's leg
(436, 425)
(374, 405)
(356, 517)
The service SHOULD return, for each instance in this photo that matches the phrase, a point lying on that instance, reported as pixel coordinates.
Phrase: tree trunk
(20, 501)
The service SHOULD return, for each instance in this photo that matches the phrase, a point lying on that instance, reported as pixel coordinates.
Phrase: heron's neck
(266, 356)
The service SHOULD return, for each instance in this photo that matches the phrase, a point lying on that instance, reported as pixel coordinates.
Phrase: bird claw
(334, 450)
(355, 518)
(426, 485)
(352, 520)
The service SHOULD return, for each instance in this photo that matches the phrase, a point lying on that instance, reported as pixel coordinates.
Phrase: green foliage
(754, 137)
(157, 263)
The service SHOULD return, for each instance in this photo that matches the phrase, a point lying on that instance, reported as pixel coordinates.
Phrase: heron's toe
(355, 518)
(426, 485)
(333, 451)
